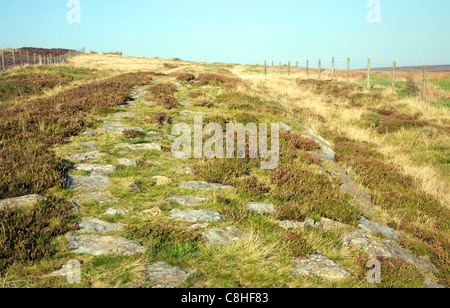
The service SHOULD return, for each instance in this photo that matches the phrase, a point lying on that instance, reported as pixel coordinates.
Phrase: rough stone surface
(223, 236)
(164, 276)
(188, 200)
(197, 227)
(327, 154)
(112, 211)
(362, 199)
(155, 212)
(94, 225)
(433, 285)
(203, 185)
(161, 180)
(20, 202)
(84, 156)
(261, 208)
(94, 182)
(124, 115)
(288, 224)
(390, 249)
(374, 227)
(127, 162)
(284, 126)
(314, 135)
(328, 224)
(104, 245)
(195, 216)
(355, 239)
(111, 128)
(188, 112)
(99, 197)
(141, 147)
(319, 265)
(88, 145)
(96, 169)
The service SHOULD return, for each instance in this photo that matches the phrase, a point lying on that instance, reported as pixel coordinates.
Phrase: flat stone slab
(189, 112)
(96, 169)
(203, 185)
(99, 197)
(355, 239)
(94, 182)
(261, 208)
(309, 133)
(433, 285)
(288, 224)
(320, 265)
(112, 211)
(127, 162)
(197, 227)
(390, 249)
(326, 154)
(196, 216)
(20, 202)
(372, 227)
(223, 236)
(84, 156)
(285, 127)
(188, 200)
(113, 128)
(95, 245)
(124, 115)
(165, 276)
(141, 147)
(88, 145)
(94, 225)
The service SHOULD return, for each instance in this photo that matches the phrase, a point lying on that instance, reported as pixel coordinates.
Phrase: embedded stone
(104, 245)
(320, 265)
(195, 216)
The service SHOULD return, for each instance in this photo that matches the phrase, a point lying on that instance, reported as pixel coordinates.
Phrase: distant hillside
(430, 68)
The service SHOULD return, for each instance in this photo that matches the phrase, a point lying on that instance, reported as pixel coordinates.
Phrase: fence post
(320, 67)
(28, 57)
(14, 58)
(307, 68)
(265, 67)
(21, 58)
(394, 67)
(289, 68)
(332, 69)
(368, 73)
(348, 69)
(424, 96)
(3, 60)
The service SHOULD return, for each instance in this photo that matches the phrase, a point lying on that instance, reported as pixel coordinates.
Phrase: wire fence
(429, 86)
(13, 58)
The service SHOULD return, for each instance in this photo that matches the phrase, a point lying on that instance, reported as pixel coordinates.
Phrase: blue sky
(246, 31)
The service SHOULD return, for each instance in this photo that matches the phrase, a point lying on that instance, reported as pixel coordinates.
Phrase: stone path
(104, 245)
(20, 202)
(165, 276)
(319, 264)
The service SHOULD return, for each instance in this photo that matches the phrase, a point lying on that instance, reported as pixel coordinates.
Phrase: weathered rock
(65, 271)
(327, 154)
(189, 112)
(127, 162)
(433, 285)
(372, 227)
(112, 211)
(355, 239)
(390, 249)
(20, 202)
(314, 135)
(84, 156)
(164, 276)
(188, 171)
(203, 185)
(328, 224)
(288, 224)
(320, 265)
(161, 180)
(111, 128)
(198, 227)
(99, 197)
(94, 182)
(186, 105)
(141, 147)
(261, 208)
(195, 216)
(223, 236)
(94, 225)
(90, 133)
(124, 115)
(188, 200)
(104, 245)
(88, 145)
(96, 169)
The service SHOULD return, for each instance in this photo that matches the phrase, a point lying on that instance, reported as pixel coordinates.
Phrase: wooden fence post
(265, 67)
(424, 94)
(28, 57)
(14, 58)
(368, 73)
(289, 68)
(307, 68)
(3, 60)
(348, 69)
(34, 58)
(394, 67)
(320, 67)
(332, 69)
(21, 58)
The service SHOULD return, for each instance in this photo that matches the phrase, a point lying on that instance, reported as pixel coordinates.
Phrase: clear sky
(413, 32)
